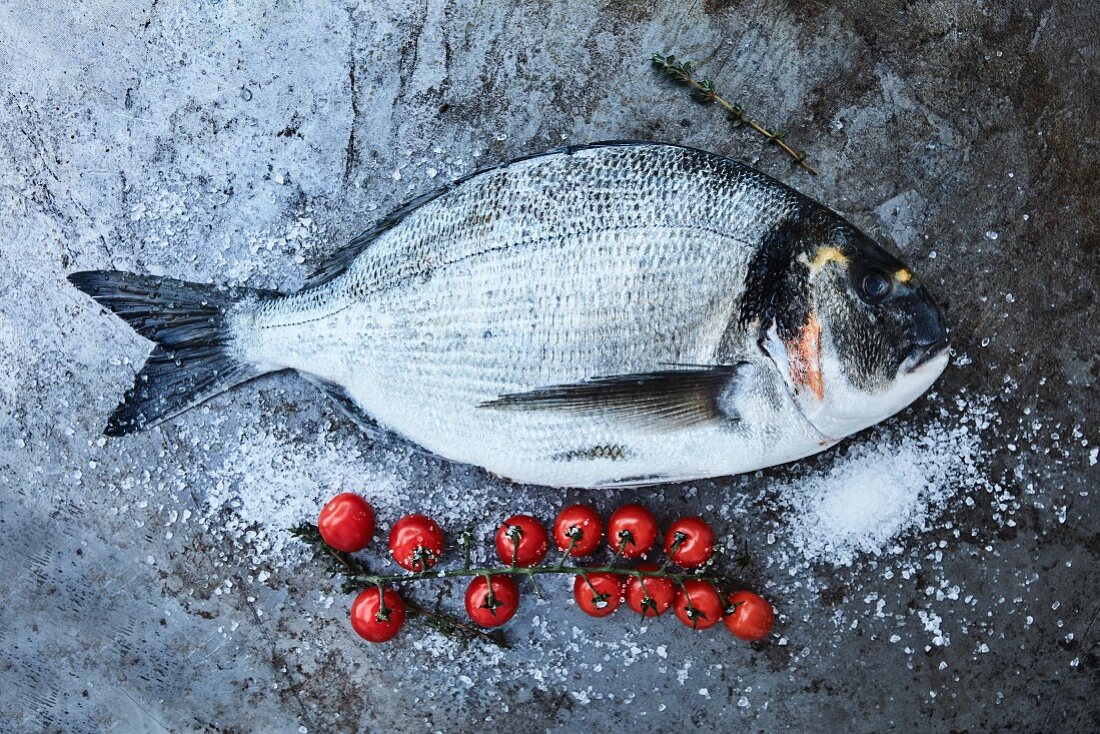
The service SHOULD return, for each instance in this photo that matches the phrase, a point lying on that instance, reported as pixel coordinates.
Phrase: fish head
(856, 336)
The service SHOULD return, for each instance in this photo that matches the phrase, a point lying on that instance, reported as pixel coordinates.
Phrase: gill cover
(777, 298)
(848, 356)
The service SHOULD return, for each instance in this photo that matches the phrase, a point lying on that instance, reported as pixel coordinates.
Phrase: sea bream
(622, 313)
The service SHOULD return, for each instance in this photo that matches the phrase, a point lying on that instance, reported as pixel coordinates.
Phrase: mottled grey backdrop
(146, 583)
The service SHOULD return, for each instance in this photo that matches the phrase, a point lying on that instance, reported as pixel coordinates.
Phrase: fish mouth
(922, 354)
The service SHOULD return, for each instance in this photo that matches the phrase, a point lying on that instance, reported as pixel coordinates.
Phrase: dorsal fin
(339, 261)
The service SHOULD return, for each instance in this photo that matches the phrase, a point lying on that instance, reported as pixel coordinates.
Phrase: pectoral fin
(669, 399)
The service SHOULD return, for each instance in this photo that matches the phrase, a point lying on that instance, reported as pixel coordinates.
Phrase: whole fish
(621, 313)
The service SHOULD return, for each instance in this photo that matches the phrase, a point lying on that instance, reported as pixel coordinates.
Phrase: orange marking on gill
(805, 358)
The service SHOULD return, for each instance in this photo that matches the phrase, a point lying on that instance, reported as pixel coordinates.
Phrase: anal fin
(368, 425)
(347, 405)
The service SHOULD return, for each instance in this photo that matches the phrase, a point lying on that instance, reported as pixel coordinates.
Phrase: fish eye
(874, 286)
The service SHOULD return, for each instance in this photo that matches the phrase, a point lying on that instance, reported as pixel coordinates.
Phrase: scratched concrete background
(148, 583)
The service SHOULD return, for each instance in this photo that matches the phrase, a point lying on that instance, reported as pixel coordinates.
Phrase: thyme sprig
(703, 91)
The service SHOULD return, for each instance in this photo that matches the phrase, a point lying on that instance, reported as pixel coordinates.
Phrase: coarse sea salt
(269, 485)
(880, 489)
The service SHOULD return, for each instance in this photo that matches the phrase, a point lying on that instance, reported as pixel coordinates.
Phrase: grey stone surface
(148, 583)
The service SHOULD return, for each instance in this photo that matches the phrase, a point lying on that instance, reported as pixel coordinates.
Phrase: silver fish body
(586, 317)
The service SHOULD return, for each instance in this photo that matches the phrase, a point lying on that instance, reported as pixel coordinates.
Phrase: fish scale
(616, 334)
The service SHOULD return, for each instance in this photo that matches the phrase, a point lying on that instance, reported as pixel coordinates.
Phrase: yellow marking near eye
(903, 276)
(823, 256)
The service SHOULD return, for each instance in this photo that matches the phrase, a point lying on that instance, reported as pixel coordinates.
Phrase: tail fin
(190, 363)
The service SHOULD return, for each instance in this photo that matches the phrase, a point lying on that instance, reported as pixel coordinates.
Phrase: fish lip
(923, 354)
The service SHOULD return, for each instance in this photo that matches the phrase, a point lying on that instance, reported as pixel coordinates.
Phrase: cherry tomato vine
(492, 597)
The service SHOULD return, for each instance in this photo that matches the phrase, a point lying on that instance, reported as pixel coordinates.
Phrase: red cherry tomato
(580, 525)
(698, 604)
(599, 594)
(496, 611)
(532, 541)
(416, 542)
(752, 617)
(689, 542)
(633, 525)
(374, 621)
(346, 522)
(649, 596)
